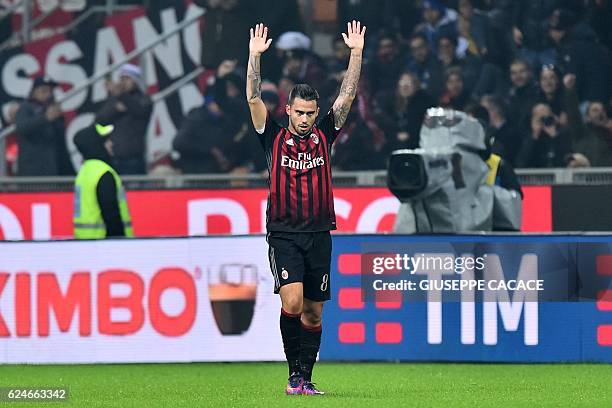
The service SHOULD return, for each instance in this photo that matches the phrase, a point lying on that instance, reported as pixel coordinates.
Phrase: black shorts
(301, 257)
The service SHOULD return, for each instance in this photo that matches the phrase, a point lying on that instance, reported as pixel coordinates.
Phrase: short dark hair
(497, 104)
(451, 38)
(453, 71)
(303, 91)
(522, 61)
(419, 36)
(478, 112)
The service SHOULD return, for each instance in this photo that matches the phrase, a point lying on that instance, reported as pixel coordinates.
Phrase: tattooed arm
(257, 45)
(354, 40)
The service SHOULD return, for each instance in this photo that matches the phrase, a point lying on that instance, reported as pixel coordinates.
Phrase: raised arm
(257, 45)
(354, 39)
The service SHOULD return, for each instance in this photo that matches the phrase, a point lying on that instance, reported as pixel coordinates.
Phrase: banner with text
(163, 300)
(210, 299)
(42, 216)
(470, 298)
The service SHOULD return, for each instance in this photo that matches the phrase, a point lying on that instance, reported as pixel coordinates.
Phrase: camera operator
(549, 144)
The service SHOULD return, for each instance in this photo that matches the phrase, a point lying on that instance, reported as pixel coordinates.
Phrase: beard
(302, 132)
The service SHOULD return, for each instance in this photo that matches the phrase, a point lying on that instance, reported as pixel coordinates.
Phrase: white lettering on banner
(72, 74)
(41, 221)
(167, 53)
(191, 35)
(136, 301)
(69, 6)
(511, 310)
(342, 208)
(468, 306)
(190, 97)
(434, 296)
(524, 299)
(375, 212)
(199, 211)
(16, 75)
(109, 50)
(352, 207)
(9, 223)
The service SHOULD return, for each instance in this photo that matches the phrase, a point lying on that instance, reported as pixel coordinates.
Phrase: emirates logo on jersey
(314, 138)
(304, 161)
(290, 142)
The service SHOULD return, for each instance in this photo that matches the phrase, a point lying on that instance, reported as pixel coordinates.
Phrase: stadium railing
(592, 176)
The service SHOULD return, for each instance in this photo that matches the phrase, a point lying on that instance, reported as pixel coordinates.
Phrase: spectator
(426, 66)
(455, 95)
(529, 30)
(437, 18)
(129, 110)
(278, 15)
(523, 94)
(11, 149)
(400, 113)
(221, 39)
(272, 99)
(600, 15)
(40, 134)
(447, 51)
(479, 77)
(547, 145)
(503, 134)
(372, 14)
(551, 93)
(500, 45)
(385, 67)
(206, 136)
(298, 62)
(403, 16)
(578, 53)
(355, 148)
(245, 142)
(473, 28)
(336, 65)
(592, 137)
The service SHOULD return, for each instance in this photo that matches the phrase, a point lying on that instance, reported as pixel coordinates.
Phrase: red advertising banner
(237, 211)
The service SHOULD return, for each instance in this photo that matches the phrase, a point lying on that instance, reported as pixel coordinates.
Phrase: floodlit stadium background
(157, 299)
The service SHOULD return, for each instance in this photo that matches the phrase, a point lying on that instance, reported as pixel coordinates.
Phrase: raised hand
(259, 39)
(354, 39)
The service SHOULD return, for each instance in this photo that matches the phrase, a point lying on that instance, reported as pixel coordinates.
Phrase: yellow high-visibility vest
(493, 163)
(87, 216)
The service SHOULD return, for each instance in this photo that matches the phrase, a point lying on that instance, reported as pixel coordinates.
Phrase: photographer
(548, 145)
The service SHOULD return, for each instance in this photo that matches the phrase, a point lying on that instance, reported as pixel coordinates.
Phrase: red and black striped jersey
(301, 198)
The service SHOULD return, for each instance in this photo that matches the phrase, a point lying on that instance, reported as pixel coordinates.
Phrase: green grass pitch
(346, 384)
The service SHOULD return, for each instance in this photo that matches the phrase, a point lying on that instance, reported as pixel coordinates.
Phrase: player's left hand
(354, 39)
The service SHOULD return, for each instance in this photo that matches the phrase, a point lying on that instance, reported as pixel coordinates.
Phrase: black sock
(290, 331)
(309, 348)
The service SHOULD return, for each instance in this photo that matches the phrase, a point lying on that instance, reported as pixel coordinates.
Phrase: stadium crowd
(538, 72)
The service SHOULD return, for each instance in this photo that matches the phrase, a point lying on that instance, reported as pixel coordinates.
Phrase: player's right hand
(259, 42)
